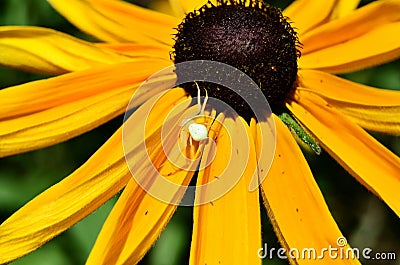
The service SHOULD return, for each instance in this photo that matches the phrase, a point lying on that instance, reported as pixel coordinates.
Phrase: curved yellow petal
(137, 50)
(138, 218)
(360, 22)
(177, 8)
(340, 89)
(308, 14)
(296, 207)
(65, 203)
(343, 8)
(228, 230)
(366, 159)
(44, 94)
(161, 6)
(182, 7)
(50, 52)
(63, 122)
(191, 5)
(118, 21)
(372, 108)
(377, 46)
(72, 199)
(58, 124)
(133, 226)
(378, 119)
(135, 223)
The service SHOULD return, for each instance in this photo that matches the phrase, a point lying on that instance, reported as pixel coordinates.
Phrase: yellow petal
(67, 202)
(264, 135)
(43, 94)
(372, 108)
(63, 122)
(136, 50)
(361, 21)
(366, 159)
(118, 21)
(377, 46)
(191, 5)
(343, 8)
(133, 226)
(135, 223)
(182, 7)
(339, 89)
(378, 119)
(50, 52)
(177, 8)
(138, 218)
(308, 14)
(58, 124)
(227, 230)
(295, 205)
(161, 6)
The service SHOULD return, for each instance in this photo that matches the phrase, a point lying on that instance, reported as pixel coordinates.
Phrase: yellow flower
(94, 82)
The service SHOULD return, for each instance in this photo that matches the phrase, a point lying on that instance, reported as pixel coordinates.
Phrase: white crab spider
(197, 131)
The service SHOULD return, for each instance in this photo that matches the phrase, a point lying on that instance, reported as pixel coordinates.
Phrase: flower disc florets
(251, 36)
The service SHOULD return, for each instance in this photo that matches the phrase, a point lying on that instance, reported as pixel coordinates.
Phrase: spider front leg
(183, 137)
(200, 107)
(197, 131)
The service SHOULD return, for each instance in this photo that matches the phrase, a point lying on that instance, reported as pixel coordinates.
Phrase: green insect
(300, 133)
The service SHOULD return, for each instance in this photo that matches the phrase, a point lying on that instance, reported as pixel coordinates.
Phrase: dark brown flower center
(251, 36)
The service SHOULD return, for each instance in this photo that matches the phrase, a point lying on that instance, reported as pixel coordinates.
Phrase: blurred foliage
(364, 219)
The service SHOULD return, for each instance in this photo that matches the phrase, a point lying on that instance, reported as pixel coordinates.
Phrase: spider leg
(201, 112)
(198, 99)
(199, 107)
(183, 138)
(198, 132)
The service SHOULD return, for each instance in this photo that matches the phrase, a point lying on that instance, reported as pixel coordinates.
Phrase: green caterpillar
(300, 133)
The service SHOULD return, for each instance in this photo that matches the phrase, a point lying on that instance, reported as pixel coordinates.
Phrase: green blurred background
(363, 219)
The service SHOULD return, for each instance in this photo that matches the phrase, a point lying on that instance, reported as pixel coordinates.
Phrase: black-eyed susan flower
(94, 82)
